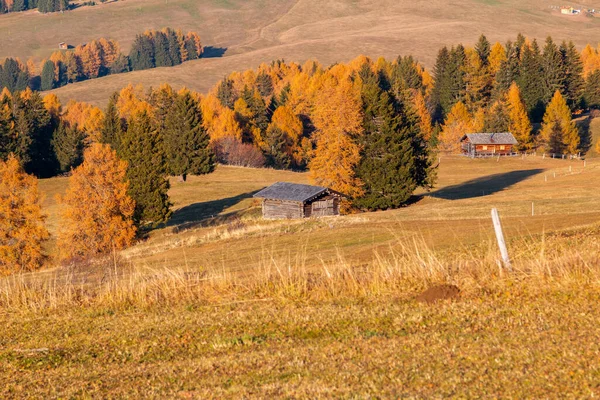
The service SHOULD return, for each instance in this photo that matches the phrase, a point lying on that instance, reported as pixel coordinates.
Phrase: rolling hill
(241, 35)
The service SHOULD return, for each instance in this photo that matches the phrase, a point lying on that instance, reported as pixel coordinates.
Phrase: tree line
(43, 6)
(368, 128)
(101, 57)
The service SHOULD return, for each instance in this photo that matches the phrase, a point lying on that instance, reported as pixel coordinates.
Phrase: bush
(230, 151)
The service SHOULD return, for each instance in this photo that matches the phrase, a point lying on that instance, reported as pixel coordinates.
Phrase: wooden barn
(488, 144)
(292, 200)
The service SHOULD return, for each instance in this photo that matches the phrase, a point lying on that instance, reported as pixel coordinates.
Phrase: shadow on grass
(485, 185)
(213, 52)
(206, 213)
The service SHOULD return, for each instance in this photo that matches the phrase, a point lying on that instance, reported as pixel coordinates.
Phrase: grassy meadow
(221, 304)
(241, 34)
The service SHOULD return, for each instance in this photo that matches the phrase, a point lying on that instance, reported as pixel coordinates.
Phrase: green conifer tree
(573, 84)
(142, 149)
(174, 51)
(186, 141)
(592, 90)
(529, 82)
(112, 126)
(68, 145)
(226, 93)
(162, 56)
(141, 55)
(389, 166)
(553, 71)
(48, 76)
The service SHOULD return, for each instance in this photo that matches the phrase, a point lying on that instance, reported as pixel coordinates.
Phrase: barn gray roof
(491, 138)
(291, 191)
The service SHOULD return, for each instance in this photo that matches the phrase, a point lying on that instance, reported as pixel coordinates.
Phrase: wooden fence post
(500, 239)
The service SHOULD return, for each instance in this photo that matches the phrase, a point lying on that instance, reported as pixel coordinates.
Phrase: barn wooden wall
(280, 209)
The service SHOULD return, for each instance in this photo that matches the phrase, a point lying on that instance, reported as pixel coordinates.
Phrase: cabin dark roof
(291, 191)
(490, 138)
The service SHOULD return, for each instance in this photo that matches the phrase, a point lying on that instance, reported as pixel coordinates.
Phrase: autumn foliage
(22, 229)
(97, 215)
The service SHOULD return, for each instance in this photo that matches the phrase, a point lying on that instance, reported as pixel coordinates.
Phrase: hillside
(221, 304)
(249, 33)
(217, 224)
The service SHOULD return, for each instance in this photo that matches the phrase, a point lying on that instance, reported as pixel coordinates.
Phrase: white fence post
(500, 239)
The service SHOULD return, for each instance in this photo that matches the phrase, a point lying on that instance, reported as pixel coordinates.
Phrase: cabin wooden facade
(284, 200)
(488, 144)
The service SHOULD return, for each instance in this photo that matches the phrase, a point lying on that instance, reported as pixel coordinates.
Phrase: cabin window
(502, 147)
(484, 148)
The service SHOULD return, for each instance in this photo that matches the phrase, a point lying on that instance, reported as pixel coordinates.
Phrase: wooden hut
(63, 46)
(488, 144)
(292, 200)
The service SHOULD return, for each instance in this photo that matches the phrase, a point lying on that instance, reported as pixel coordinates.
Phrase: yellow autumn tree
(290, 125)
(559, 133)
(337, 116)
(52, 104)
(497, 56)
(590, 60)
(458, 123)
(423, 115)
(22, 228)
(131, 102)
(518, 120)
(86, 117)
(225, 125)
(97, 214)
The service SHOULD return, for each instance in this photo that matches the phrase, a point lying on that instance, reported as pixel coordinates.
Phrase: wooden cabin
(488, 144)
(292, 200)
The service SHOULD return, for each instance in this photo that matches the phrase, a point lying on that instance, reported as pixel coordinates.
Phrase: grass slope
(454, 216)
(261, 31)
(522, 343)
(221, 304)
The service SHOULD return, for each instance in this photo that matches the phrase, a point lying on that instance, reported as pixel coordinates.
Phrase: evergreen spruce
(497, 118)
(552, 67)
(68, 146)
(388, 166)
(592, 90)
(190, 47)
(141, 55)
(509, 71)
(9, 75)
(142, 149)
(42, 162)
(48, 76)
(483, 49)
(405, 75)
(111, 132)
(441, 83)
(573, 84)
(162, 56)
(529, 82)
(186, 140)
(277, 145)
(226, 93)
(173, 43)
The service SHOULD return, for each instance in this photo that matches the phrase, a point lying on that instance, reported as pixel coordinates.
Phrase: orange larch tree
(22, 228)
(97, 214)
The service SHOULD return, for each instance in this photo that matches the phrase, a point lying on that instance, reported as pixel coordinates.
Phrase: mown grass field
(220, 304)
(247, 33)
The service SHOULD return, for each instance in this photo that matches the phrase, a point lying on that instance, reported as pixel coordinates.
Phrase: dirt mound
(439, 292)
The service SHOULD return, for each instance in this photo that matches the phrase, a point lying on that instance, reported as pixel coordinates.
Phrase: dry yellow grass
(261, 31)
(306, 309)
